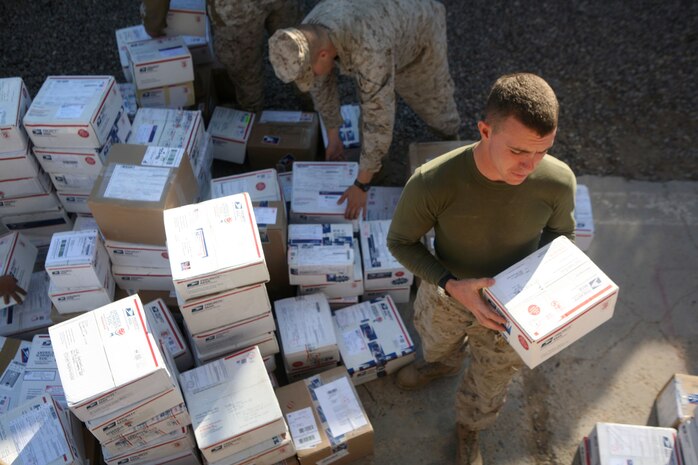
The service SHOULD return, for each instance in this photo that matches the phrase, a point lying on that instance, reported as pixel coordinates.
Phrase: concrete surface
(646, 240)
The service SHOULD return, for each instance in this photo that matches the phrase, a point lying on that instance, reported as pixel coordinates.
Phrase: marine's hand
(9, 288)
(335, 148)
(356, 201)
(467, 292)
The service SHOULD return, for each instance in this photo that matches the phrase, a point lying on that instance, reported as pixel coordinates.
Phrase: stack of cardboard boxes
(27, 200)
(79, 269)
(117, 380)
(73, 121)
(219, 270)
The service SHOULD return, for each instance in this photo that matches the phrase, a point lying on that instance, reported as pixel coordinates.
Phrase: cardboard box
(224, 308)
(202, 169)
(280, 138)
(611, 443)
(237, 383)
(74, 202)
(36, 430)
(83, 222)
(137, 255)
(351, 288)
(128, 94)
(400, 295)
(422, 152)
(373, 340)
(29, 204)
(82, 299)
(163, 127)
(164, 327)
(171, 96)
(307, 332)
(19, 164)
(160, 62)
(137, 278)
(138, 184)
(677, 400)
(33, 314)
(267, 344)
(260, 185)
(268, 452)
(186, 18)
(224, 338)
(550, 299)
(320, 253)
(326, 419)
(77, 259)
(39, 226)
(316, 189)
(381, 269)
(124, 37)
(687, 438)
(14, 354)
(75, 161)
(113, 360)
(230, 129)
(17, 257)
(381, 202)
(341, 302)
(272, 226)
(198, 242)
(172, 444)
(39, 184)
(139, 436)
(41, 376)
(14, 102)
(286, 184)
(73, 111)
(78, 183)
(583, 217)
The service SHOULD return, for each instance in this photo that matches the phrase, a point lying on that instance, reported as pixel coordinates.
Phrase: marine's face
(514, 150)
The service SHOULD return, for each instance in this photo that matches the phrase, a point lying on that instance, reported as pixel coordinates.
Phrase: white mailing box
(144, 255)
(686, 433)
(77, 259)
(232, 404)
(41, 376)
(320, 253)
(202, 168)
(73, 300)
(80, 183)
(286, 184)
(267, 344)
(35, 432)
(611, 444)
(261, 185)
(273, 451)
(231, 336)
(400, 295)
(172, 96)
(340, 302)
(140, 435)
(73, 111)
(174, 443)
(164, 328)
(164, 127)
(124, 37)
(550, 299)
(17, 187)
(160, 62)
(74, 202)
(584, 231)
(198, 242)
(201, 47)
(29, 204)
(349, 131)
(307, 332)
(128, 94)
(107, 359)
(76, 161)
(140, 278)
(373, 340)
(223, 308)
(317, 186)
(33, 314)
(677, 400)
(19, 164)
(13, 358)
(351, 288)
(14, 102)
(186, 18)
(17, 257)
(381, 202)
(229, 131)
(381, 269)
(39, 226)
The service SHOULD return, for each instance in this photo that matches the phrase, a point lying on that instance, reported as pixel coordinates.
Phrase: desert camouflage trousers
(443, 324)
(239, 35)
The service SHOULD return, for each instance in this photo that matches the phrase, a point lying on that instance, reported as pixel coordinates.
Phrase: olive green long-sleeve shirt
(482, 227)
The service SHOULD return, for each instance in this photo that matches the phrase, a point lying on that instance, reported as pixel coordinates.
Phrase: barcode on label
(305, 429)
(61, 247)
(305, 439)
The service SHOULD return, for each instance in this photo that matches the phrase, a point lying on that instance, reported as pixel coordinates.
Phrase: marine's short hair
(528, 98)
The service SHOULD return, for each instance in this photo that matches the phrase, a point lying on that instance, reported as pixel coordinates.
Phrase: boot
(419, 374)
(468, 446)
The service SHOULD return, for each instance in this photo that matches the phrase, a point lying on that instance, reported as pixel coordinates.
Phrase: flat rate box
(612, 443)
(73, 111)
(33, 314)
(317, 186)
(198, 242)
(160, 62)
(130, 254)
(83, 299)
(107, 359)
(186, 18)
(381, 269)
(584, 219)
(138, 278)
(232, 404)
(550, 299)
(350, 288)
(677, 400)
(164, 127)
(164, 327)
(14, 103)
(17, 257)
(77, 259)
(261, 185)
(228, 336)
(230, 129)
(19, 164)
(280, 138)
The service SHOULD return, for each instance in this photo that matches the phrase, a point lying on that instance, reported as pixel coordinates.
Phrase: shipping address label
(141, 183)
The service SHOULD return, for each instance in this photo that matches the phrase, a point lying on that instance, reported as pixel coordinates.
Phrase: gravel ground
(625, 72)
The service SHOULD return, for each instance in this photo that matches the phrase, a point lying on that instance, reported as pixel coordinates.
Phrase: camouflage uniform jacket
(376, 40)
